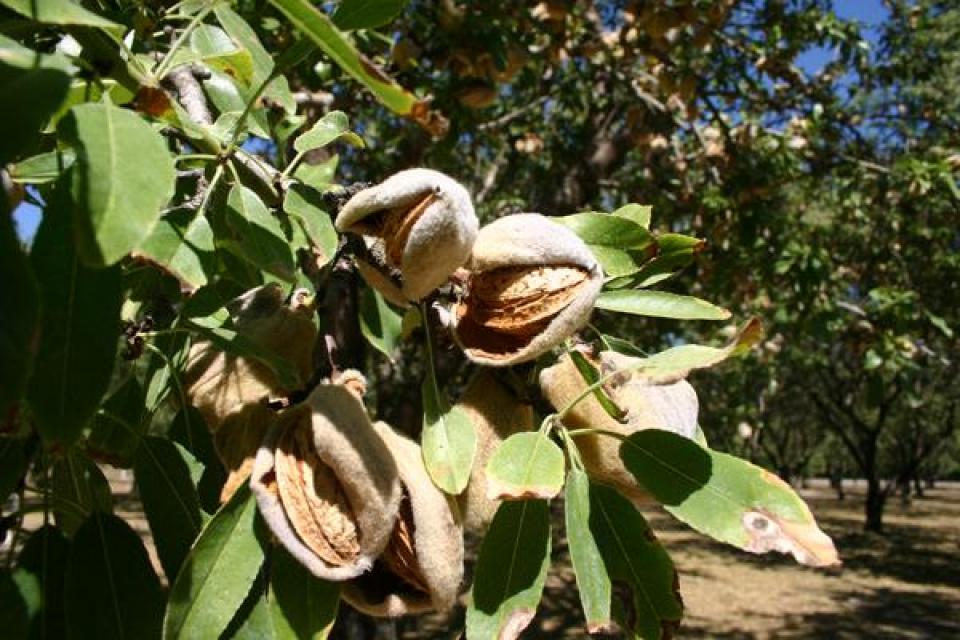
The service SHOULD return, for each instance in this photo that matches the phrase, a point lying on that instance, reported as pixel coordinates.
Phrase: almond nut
(533, 283)
(419, 226)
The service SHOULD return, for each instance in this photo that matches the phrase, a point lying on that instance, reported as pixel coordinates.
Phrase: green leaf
(31, 90)
(306, 206)
(660, 304)
(218, 572)
(607, 230)
(230, 97)
(75, 354)
(182, 245)
(303, 605)
(214, 47)
(637, 562)
(79, 489)
(525, 465)
(111, 590)
(637, 213)
(366, 14)
(593, 582)
(617, 263)
(511, 571)
(170, 501)
(206, 470)
(318, 27)
(19, 600)
(42, 168)
(333, 125)
(679, 361)
(661, 268)
(591, 376)
(448, 441)
(380, 323)
(115, 434)
(317, 175)
(278, 90)
(123, 177)
(726, 498)
(62, 12)
(256, 234)
(44, 558)
(19, 315)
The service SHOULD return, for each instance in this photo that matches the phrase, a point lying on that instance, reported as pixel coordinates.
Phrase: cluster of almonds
(350, 498)
(530, 282)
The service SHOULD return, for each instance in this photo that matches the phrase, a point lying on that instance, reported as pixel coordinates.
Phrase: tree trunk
(917, 487)
(836, 482)
(876, 501)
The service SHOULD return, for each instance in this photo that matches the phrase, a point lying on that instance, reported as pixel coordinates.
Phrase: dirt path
(905, 584)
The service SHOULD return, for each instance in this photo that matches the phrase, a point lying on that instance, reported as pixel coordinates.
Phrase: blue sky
(869, 12)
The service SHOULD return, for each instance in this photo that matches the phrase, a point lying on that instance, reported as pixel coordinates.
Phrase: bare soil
(904, 584)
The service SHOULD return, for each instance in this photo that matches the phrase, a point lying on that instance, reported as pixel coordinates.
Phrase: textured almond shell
(441, 238)
(672, 407)
(360, 462)
(530, 240)
(496, 413)
(437, 543)
(231, 392)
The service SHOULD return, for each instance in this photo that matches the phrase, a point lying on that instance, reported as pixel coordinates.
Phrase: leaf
(42, 168)
(218, 572)
(511, 571)
(333, 125)
(229, 97)
(607, 230)
(75, 355)
(44, 558)
(79, 489)
(190, 432)
(31, 90)
(593, 582)
(318, 175)
(649, 603)
(238, 344)
(726, 498)
(214, 47)
(19, 601)
(115, 434)
(637, 213)
(306, 206)
(677, 362)
(660, 304)
(19, 316)
(525, 465)
(617, 263)
(662, 267)
(303, 605)
(111, 590)
(318, 27)
(448, 441)
(256, 234)
(170, 501)
(124, 175)
(591, 376)
(181, 244)
(60, 12)
(278, 90)
(366, 14)
(380, 323)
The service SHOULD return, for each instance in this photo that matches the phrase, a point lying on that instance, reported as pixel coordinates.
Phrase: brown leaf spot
(152, 101)
(803, 540)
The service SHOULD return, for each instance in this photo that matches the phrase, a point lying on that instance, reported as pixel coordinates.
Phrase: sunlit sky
(869, 12)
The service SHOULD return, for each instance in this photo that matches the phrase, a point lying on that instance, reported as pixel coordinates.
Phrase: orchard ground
(902, 585)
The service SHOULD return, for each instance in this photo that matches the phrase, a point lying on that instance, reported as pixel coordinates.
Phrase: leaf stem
(573, 433)
(164, 65)
(428, 342)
